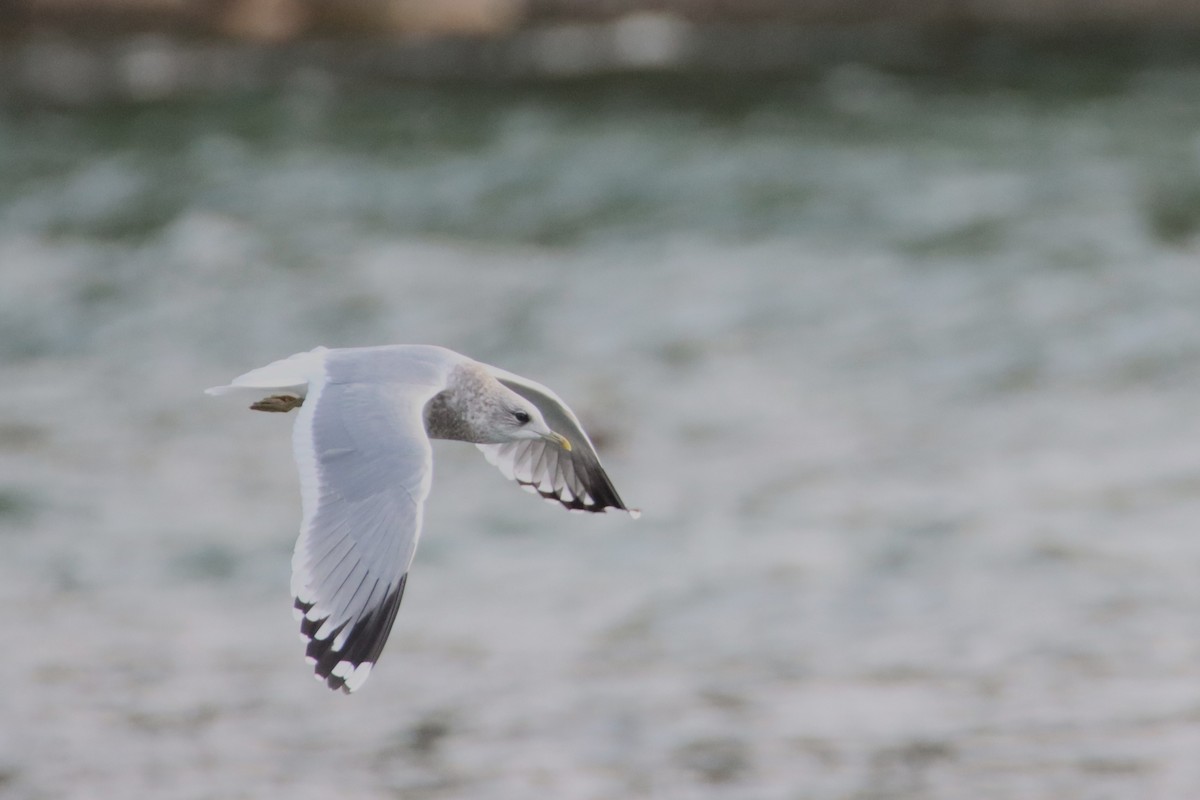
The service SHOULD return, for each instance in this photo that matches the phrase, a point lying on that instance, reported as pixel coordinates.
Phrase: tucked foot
(281, 403)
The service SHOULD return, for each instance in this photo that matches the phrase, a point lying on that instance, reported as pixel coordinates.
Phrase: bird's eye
(521, 417)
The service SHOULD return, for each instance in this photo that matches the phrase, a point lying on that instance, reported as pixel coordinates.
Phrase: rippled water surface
(903, 373)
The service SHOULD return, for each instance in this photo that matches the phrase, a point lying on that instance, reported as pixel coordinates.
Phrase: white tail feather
(292, 373)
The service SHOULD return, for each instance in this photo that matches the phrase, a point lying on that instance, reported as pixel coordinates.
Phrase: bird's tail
(290, 375)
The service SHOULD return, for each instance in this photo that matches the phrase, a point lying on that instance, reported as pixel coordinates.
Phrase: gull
(361, 442)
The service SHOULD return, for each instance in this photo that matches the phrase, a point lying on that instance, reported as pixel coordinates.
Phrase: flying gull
(361, 443)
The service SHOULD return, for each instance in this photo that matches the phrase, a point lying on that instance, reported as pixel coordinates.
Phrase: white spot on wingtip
(325, 631)
(352, 675)
(635, 513)
(359, 676)
(312, 662)
(299, 583)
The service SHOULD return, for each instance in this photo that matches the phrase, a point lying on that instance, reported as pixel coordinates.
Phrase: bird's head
(516, 419)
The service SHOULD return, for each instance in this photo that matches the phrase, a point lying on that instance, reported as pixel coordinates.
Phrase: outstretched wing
(575, 478)
(365, 468)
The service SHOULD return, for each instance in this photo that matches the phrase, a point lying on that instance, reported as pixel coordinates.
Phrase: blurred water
(901, 370)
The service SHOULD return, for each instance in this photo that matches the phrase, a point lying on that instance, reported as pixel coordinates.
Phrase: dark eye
(521, 417)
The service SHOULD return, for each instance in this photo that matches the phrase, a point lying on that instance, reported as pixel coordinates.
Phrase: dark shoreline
(72, 69)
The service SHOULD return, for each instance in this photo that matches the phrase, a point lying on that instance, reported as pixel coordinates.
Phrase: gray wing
(365, 466)
(576, 478)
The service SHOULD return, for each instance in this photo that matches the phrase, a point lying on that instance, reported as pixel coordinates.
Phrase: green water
(560, 165)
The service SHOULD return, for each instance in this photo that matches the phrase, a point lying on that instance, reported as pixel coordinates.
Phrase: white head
(478, 408)
(512, 418)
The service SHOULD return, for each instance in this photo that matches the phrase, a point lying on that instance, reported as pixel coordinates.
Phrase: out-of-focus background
(886, 314)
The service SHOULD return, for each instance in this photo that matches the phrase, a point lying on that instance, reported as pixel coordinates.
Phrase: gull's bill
(560, 440)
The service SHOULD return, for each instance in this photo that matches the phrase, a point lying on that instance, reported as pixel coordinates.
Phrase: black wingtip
(362, 645)
(602, 495)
